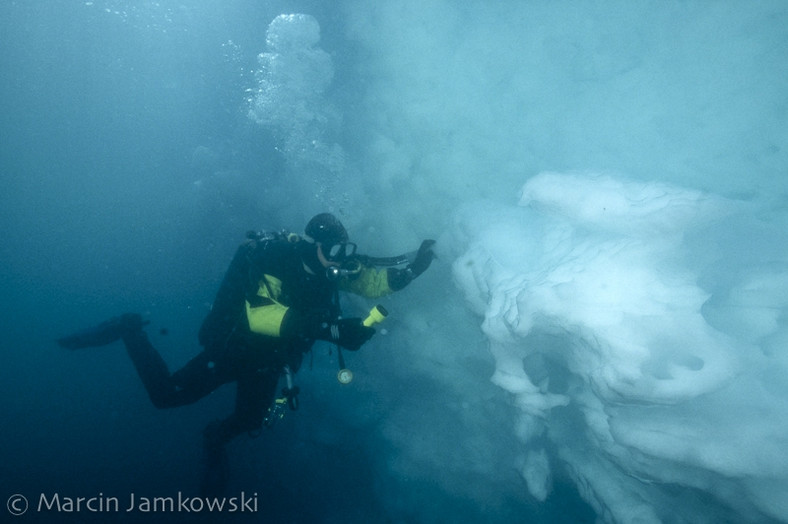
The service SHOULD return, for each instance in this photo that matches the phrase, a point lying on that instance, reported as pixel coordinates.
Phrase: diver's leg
(255, 394)
(151, 369)
(196, 379)
(150, 366)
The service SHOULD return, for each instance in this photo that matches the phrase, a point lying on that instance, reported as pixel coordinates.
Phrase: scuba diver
(279, 295)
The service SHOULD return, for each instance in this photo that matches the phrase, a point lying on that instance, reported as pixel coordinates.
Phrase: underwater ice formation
(636, 365)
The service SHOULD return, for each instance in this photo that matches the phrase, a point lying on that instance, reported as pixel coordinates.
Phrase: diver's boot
(105, 333)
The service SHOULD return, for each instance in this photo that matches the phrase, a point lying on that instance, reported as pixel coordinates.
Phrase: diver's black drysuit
(275, 300)
(232, 351)
(267, 313)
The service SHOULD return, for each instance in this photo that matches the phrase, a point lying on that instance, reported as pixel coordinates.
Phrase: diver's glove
(399, 278)
(423, 258)
(350, 333)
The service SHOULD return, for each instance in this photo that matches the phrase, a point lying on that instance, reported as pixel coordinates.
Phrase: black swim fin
(105, 333)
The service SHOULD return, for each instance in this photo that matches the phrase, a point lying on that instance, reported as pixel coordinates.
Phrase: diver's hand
(423, 258)
(350, 333)
(399, 278)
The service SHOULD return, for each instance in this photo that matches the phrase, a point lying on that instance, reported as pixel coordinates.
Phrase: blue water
(141, 140)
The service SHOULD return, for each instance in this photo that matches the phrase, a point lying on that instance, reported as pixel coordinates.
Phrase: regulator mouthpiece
(347, 269)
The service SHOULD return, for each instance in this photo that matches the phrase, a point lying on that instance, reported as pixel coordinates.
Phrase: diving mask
(340, 252)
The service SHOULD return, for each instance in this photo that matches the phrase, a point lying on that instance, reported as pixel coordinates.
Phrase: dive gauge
(345, 376)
